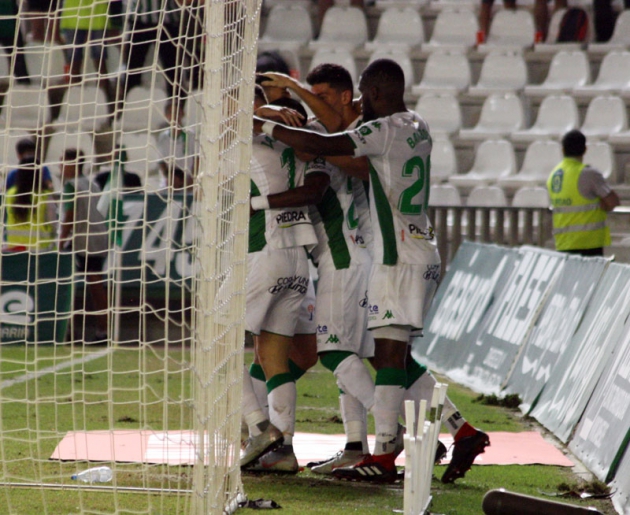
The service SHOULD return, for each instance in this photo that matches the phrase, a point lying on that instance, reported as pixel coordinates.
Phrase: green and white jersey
(399, 150)
(276, 169)
(335, 219)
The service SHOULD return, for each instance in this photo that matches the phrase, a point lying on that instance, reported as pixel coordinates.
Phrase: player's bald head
(385, 74)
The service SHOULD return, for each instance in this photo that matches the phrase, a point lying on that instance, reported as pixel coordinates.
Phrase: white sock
(252, 413)
(354, 416)
(421, 389)
(260, 390)
(282, 401)
(354, 379)
(451, 418)
(387, 400)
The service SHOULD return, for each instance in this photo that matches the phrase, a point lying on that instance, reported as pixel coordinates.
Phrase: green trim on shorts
(414, 371)
(391, 377)
(296, 371)
(331, 359)
(257, 372)
(279, 380)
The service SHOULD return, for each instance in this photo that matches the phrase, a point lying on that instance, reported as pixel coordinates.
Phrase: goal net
(125, 132)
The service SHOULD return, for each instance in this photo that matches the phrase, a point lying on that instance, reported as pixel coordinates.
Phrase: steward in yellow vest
(580, 198)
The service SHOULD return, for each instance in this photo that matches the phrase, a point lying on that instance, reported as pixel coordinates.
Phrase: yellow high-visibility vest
(34, 233)
(578, 222)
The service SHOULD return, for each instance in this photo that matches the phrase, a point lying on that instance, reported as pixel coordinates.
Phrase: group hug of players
(350, 190)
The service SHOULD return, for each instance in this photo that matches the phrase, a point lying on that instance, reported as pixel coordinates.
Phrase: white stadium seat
(25, 107)
(442, 111)
(557, 115)
(444, 195)
(540, 158)
(83, 108)
(493, 159)
(531, 196)
(288, 26)
(510, 29)
(445, 71)
(600, 155)
(605, 115)
(143, 108)
(44, 62)
(613, 76)
(501, 71)
(61, 141)
(398, 27)
(487, 196)
(454, 28)
(143, 157)
(342, 27)
(501, 115)
(443, 160)
(568, 69)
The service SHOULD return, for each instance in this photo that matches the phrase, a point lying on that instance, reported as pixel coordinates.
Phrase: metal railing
(510, 226)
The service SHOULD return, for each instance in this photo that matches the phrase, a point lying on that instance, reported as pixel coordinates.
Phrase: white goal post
(125, 144)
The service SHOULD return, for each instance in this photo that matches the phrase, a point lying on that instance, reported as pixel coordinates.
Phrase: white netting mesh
(138, 366)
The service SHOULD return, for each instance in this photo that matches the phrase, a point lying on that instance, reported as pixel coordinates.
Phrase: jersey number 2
(408, 202)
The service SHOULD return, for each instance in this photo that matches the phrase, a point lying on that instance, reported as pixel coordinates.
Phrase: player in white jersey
(406, 263)
(277, 281)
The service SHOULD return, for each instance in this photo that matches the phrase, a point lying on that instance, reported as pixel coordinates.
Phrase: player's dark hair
(259, 93)
(386, 74)
(25, 146)
(574, 144)
(291, 103)
(335, 75)
(72, 154)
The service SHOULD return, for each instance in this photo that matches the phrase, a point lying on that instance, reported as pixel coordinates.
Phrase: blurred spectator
(148, 22)
(84, 231)
(83, 25)
(26, 150)
(178, 181)
(604, 18)
(177, 145)
(130, 181)
(11, 39)
(30, 212)
(541, 16)
(43, 21)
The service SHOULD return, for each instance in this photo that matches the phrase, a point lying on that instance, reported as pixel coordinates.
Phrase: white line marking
(50, 370)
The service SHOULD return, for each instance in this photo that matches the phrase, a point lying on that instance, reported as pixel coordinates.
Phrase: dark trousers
(604, 18)
(17, 62)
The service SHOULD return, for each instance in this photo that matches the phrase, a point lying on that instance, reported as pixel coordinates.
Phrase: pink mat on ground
(178, 447)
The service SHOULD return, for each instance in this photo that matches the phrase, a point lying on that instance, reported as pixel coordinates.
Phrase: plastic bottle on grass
(94, 475)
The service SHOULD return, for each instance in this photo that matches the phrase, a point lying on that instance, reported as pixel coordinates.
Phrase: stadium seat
(443, 160)
(288, 26)
(510, 29)
(487, 196)
(342, 27)
(453, 29)
(550, 45)
(414, 4)
(557, 115)
(600, 155)
(501, 115)
(339, 56)
(442, 111)
(494, 158)
(83, 108)
(399, 28)
(540, 158)
(531, 196)
(613, 76)
(8, 156)
(44, 62)
(400, 56)
(5, 72)
(501, 71)
(143, 157)
(620, 39)
(194, 112)
(568, 69)
(143, 109)
(25, 108)
(605, 115)
(59, 142)
(446, 71)
(444, 195)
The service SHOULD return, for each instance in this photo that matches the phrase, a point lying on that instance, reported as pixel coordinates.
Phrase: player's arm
(307, 141)
(322, 111)
(355, 166)
(312, 192)
(610, 201)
